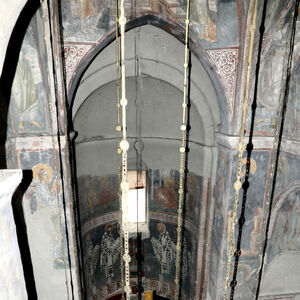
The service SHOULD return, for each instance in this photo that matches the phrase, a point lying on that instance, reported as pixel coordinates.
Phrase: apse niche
(154, 85)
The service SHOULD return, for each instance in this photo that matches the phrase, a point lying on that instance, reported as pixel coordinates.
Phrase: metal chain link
(182, 151)
(119, 151)
(124, 146)
(241, 147)
(241, 220)
(276, 149)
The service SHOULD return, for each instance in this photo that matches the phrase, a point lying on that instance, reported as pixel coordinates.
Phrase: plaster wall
(281, 277)
(12, 283)
(31, 144)
(9, 13)
(160, 56)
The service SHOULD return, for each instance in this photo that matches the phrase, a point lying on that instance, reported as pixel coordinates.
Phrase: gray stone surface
(282, 277)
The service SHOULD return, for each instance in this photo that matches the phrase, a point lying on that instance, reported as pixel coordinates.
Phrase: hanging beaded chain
(118, 129)
(124, 146)
(182, 151)
(275, 150)
(231, 250)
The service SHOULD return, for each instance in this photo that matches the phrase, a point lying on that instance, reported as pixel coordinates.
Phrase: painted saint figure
(92, 257)
(110, 251)
(164, 249)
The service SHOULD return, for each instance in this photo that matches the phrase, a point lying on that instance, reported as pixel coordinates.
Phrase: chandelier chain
(241, 147)
(182, 151)
(124, 146)
(119, 151)
(276, 148)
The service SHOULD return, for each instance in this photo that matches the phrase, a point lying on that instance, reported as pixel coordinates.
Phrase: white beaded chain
(124, 146)
(119, 151)
(241, 147)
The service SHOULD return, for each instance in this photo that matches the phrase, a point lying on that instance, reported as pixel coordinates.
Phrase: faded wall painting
(28, 105)
(101, 248)
(221, 233)
(164, 249)
(90, 20)
(287, 171)
(285, 232)
(251, 237)
(220, 193)
(99, 195)
(44, 196)
(292, 119)
(161, 256)
(102, 261)
(163, 188)
(259, 165)
(99, 204)
(273, 61)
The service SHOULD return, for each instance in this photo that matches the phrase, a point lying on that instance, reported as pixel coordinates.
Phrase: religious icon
(92, 256)
(110, 251)
(164, 249)
(44, 191)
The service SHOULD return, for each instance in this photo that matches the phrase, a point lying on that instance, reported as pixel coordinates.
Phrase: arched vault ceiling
(160, 56)
(160, 106)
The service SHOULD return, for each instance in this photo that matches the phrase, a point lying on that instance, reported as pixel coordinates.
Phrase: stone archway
(93, 111)
(9, 13)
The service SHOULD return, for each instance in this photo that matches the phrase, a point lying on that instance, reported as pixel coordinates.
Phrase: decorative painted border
(225, 61)
(154, 215)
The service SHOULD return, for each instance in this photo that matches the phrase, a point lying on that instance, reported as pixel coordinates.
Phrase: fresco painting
(250, 242)
(45, 194)
(276, 37)
(287, 171)
(292, 118)
(161, 254)
(164, 249)
(220, 192)
(269, 89)
(109, 251)
(165, 194)
(99, 195)
(82, 19)
(28, 98)
(245, 278)
(203, 17)
(90, 20)
(102, 259)
(285, 235)
(37, 33)
(259, 165)
(287, 220)
(45, 189)
(213, 271)
(163, 190)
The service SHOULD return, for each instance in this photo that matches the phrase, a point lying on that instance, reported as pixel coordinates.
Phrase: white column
(12, 283)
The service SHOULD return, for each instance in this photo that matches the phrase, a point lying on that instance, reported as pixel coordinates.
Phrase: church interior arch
(157, 92)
